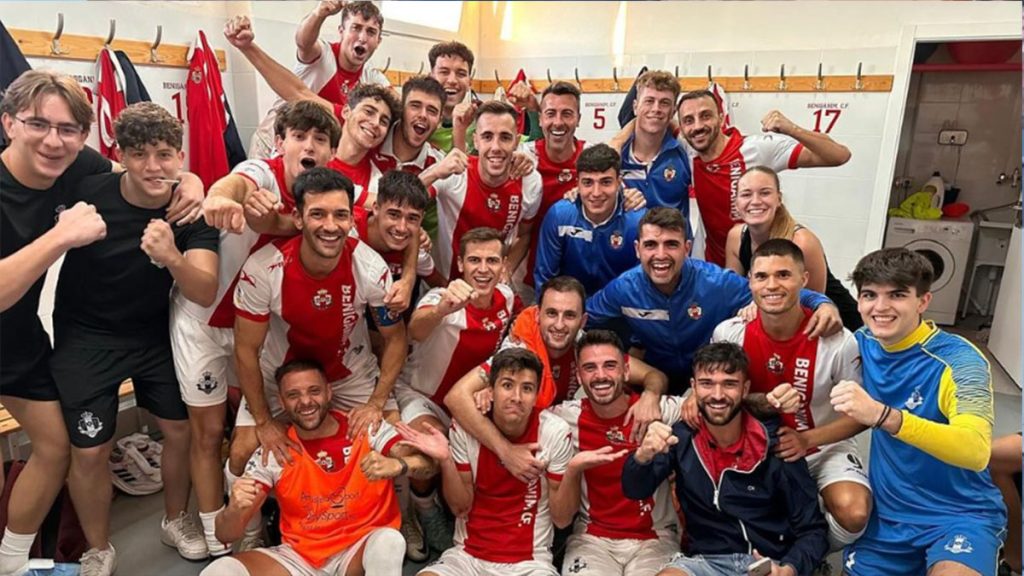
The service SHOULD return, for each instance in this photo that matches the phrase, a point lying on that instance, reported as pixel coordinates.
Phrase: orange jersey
(324, 513)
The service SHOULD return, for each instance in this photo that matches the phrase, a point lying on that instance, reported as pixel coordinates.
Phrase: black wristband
(883, 417)
(405, 467)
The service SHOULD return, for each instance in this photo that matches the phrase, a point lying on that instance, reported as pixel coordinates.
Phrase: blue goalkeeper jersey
(595, 254)
(938, 377)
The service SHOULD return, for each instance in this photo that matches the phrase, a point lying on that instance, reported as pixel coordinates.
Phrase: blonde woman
(759, 203)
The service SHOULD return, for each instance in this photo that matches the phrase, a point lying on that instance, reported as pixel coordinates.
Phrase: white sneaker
(145, 452)
(183, 534)
(127, 477)
(98, 562)
(415, 548)
(251, 542)
(217, 548)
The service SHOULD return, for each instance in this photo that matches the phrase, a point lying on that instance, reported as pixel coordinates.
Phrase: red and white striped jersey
(318, 318)
(234, 249)
(458, 344)
(464, 202)
(384, 156)
(813, 367)
(715, 182)
(605, 511)
(332, 82)
(510, 521)
(557, 178)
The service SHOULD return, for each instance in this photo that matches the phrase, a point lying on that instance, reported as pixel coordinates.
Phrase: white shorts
(203, 359)
(838, 462)
(457, 562)
(587, 555)
(296, 565)
(414, 404)
(347, 393)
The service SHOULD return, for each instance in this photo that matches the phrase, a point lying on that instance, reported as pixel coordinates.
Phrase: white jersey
(457, 345)
(510, 521)
(234, 249)
(464, 202)
(317, 318)
(385, 159)
(605, 512)
(813, 367)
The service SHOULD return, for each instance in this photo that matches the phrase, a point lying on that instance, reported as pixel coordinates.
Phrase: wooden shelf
(38, 44)
(731, 84)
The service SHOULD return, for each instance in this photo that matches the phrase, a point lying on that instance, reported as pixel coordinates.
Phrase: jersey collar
(923, 332)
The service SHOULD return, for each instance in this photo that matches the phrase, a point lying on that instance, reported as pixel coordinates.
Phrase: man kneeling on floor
(739, 501)
(339, 514)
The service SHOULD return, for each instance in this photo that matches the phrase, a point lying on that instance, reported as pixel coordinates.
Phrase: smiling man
(590, 239)
(673, 303)
(111, 317)
(928, 396)
(738, 501)
(306, 297)
(478, 191)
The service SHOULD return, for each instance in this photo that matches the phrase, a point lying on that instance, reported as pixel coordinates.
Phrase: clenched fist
(658, 440)
(158, 243)
(80, 225)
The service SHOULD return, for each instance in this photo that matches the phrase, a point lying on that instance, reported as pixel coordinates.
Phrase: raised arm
(308, 31)
(819, 149)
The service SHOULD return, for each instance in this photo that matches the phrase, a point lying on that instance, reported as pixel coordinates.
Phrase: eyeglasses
(41, 128)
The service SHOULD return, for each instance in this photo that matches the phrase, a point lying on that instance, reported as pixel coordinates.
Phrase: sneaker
(183, 534)
(437, 531)
(126, 475)
(251, 542)
(217, 548)
(415, 548)
(98, 562)
(146, 453)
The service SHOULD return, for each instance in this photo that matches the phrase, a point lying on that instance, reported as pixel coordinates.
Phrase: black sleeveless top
(834, 289)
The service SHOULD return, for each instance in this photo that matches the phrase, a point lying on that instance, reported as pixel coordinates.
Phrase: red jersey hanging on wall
(110, 100)
(206, 118)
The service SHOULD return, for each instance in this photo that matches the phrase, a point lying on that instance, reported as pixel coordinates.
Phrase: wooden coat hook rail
(44, 44)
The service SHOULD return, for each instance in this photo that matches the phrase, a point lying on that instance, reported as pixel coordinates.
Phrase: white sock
(839, 537)
(208, 520)
(14, 550)
(226, 566)
(379, 558)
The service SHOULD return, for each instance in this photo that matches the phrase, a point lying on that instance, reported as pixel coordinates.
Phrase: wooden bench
(9, 426)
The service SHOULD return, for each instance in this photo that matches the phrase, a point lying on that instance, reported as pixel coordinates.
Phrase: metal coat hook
(420, 73)
(153, 57)
(711, 81)
(549, 76)
(55, 41)
(820, 84)
(496, 79)
(677, 71)
(387, 65)
(110, 34)
(859, 84)
(746, 77)
(615, 78)
(576, 74)
(472, 74)
(782, 77)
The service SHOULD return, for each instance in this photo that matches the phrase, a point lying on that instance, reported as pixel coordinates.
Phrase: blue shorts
(899, 548)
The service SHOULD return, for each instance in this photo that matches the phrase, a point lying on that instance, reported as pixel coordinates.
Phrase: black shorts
(34, 384)
(88, 380)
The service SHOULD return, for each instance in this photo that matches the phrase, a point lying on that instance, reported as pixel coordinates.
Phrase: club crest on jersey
(207, 384)
(577, 566)
(556, 372)
(489, 325)
(89, 425)
(915, 399)
(959, 545)
(493, 203)
(775, 365)
(616, 240)
(615, 435)
(694, 311)
(197, 76)
(669, 173)
(324, 460)
(565, 175)
(322, 299)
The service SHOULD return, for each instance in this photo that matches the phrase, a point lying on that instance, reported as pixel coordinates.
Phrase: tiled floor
(136, 521)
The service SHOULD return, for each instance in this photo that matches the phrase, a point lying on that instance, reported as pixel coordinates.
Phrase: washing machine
(947, 245)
